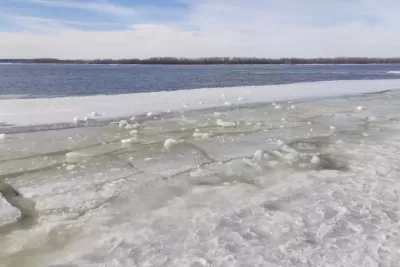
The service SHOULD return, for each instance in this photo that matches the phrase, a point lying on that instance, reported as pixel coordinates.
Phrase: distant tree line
(212, 61)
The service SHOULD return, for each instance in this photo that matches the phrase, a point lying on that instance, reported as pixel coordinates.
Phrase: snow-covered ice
(22, 112)
(250, 195)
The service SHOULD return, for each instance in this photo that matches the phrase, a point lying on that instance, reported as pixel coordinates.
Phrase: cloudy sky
(87, 29)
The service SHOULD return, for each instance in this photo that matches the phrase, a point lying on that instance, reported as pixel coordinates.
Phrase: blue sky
(194, 28)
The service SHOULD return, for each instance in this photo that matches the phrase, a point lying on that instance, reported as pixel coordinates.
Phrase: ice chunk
(228, 103)
(201, 135)
(3, 136)
(278, 106)
(280, 142)
(332, 127)
(76, 156)
(133, 118)
(360, 108)
(149, 114)
(133, 132)
(170, 143)
(76, 120)
(128, 141)
(217, 114)
(315, 159)
(87, 119)
(70, 167)
(95, 114)
(258, 155)
(225, 124)
(122, 124)
(241, 99)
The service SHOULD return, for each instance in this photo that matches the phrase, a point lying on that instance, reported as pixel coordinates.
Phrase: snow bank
(29, 112)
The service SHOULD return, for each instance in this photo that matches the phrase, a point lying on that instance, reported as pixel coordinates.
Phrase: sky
(88, 29)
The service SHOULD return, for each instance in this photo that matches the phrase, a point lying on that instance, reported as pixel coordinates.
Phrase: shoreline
(225, 61)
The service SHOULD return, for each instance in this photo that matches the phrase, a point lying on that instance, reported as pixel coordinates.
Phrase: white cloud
(101, 7)
(252, 28)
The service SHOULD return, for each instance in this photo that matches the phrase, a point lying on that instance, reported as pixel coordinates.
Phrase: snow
(128, 141)
(134, 132)
(249, 195)
(169, 143)
(259, 154)
(225, 124)
(360, 108)
(201, 135)
(60, 110)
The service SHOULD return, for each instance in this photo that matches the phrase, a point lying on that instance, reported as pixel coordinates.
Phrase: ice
(128, 141)
(169, 143)
(225, 124)
(70, 167)
(259, 154)
(3, 136)
(249, 195)
(201, 135)
(95, 114)
(24, 112)
(122, 124)
(76, 155)
(360, 108)
(133, 132)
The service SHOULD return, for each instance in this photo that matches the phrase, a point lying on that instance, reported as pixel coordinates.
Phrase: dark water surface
(34, 81)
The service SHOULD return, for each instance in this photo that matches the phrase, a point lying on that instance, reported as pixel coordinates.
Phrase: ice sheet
(22, 112)
(281, 188)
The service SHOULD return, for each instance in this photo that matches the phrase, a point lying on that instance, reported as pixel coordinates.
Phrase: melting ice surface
(312, 183)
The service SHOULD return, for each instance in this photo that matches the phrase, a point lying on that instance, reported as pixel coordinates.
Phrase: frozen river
(292, 183)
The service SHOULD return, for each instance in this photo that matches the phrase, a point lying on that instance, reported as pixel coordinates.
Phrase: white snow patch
(201, 135)
(315, 159)
(360, 108)
(133, 132)
(128, 141)
(225, 124)
(258, 155)
(170, 143)
(95, 114)
(217, 114)
(122, 124)
(70, 167)
(3, 136)
(22, 112)
(280, 142)
(76, 155)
